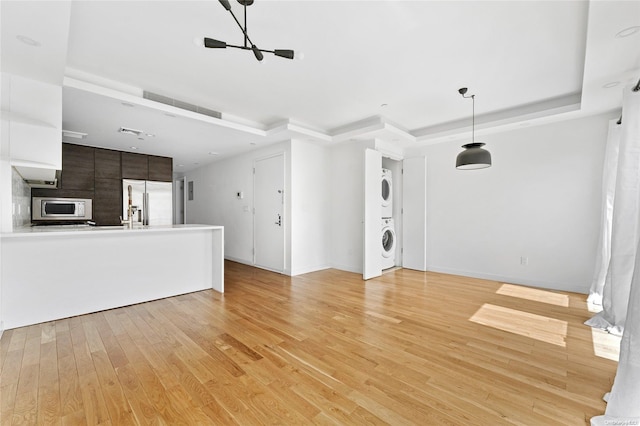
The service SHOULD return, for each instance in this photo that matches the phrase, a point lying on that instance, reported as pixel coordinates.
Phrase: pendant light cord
(463, 92)
(473, 118)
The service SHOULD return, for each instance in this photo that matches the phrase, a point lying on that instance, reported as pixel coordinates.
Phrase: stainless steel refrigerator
(152, 201)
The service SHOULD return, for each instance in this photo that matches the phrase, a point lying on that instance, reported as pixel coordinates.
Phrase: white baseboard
(308, 269)
(250, 263)
(348, 268)
(238, 260)
(574, 288)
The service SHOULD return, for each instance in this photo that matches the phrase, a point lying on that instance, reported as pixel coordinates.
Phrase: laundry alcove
(409, 211)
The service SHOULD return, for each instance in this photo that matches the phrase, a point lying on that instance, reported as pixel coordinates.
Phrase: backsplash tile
(21, 200)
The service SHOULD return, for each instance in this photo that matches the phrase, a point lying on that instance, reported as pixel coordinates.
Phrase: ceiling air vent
(179, 104)
(130, 131)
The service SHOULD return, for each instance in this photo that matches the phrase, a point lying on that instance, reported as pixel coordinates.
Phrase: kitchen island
(53, 272)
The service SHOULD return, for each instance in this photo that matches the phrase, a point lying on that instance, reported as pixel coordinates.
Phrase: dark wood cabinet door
(78, 167)
(134, 166)
(107, 203)
(160, 168)
(107, 164)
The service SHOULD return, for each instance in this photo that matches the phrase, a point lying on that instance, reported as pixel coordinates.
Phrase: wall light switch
(239, 195)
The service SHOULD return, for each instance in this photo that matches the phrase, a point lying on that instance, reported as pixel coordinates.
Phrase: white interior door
(372, 226)
(414, 206)
(268, 217)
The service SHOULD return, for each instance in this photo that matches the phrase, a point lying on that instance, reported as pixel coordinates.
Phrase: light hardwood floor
(321, 348)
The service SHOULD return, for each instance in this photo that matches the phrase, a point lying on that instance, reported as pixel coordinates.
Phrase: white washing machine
(388, 244)
(387, 193)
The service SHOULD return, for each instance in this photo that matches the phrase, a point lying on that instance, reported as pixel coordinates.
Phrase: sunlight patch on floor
(605, 345)
(526, 324)
(534, 294)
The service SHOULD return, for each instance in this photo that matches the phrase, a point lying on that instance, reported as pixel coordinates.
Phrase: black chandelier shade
(214, 44)
(217, 44)
(473, 157)
(248, 44)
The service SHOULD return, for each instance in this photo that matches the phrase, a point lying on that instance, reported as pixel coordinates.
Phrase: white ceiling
(524, 61)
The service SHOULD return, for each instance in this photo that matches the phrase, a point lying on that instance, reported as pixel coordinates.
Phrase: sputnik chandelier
(248, 44)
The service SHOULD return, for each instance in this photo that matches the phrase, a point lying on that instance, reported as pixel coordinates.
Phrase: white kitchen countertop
(62, 230)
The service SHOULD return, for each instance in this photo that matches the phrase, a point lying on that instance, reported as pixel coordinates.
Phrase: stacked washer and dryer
(388, 228)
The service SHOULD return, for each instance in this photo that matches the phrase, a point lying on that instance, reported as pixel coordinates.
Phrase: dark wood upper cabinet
(78, 167)
(107, 164)
(97, 173)
(134, 166)
(160, 168)
(107, 204)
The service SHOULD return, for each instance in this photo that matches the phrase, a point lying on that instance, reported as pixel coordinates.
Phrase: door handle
(279, 222)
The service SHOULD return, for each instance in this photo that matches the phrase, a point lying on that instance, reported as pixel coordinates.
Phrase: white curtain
(625, 222)
(623, 403)
(609, 174)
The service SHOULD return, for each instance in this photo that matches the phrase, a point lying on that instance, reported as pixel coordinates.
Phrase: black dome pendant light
(248, 44)
(474, 156)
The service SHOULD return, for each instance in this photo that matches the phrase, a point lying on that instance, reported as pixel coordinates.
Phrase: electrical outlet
(524, 261)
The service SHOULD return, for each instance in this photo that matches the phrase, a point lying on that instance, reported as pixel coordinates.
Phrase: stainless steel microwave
(61, 209)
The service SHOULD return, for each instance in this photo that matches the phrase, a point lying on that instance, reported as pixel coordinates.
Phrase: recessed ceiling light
(169, 115)
(195, 164)
(628, 31)
(140, 138)
(252, 143)
(180, 165)
(133, 147)
(384, 105)
(213, 153)
(611, 84)
(28, 41)
(127, 104)
(151, 135)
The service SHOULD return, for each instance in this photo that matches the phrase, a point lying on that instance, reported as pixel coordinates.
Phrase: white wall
(306, 204)
(309, 207)
(539, 200)
(6, 221)
(215, 202)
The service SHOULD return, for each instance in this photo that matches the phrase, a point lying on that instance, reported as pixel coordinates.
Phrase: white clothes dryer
(388, 244)
(387, 193)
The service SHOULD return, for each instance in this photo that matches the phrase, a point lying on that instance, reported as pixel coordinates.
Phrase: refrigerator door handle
(145, 212)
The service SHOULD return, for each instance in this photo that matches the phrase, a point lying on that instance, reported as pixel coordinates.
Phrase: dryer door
(386, 194)
(388, 242)
(386, 191)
